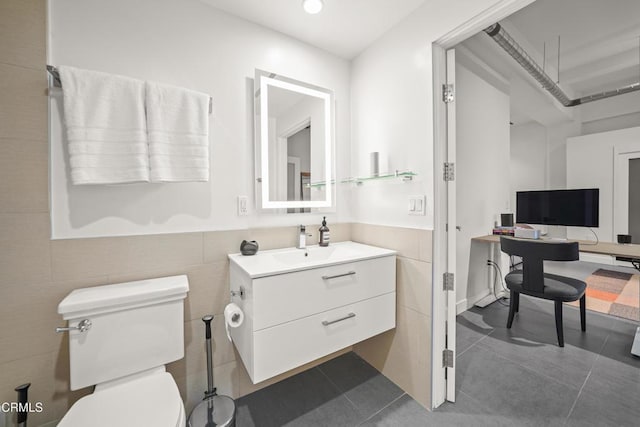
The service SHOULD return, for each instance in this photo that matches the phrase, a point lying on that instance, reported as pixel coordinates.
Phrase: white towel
(106, 127)
(178, 133)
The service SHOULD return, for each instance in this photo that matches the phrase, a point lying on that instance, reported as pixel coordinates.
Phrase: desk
(629, 251)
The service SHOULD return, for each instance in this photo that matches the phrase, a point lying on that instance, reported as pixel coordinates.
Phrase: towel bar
(55, 74)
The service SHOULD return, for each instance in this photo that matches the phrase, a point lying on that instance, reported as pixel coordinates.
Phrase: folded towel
(106, 127)
(178, 133)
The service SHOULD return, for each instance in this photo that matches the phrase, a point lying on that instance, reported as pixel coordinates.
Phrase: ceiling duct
(506, 42)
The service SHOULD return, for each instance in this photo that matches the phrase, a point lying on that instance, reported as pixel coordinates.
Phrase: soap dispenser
(324, 233)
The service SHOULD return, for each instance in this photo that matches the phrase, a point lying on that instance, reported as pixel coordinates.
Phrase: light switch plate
(417, 205)
(243, 205)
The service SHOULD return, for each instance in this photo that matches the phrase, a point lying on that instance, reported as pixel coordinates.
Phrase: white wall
(619, 112)
(189, 44)
(613, 123)
(482, 177)
(392, 111)
(539, 161)
(610, 114)
(557, 152)
(590, 164)
(528, 159)
(603, 109)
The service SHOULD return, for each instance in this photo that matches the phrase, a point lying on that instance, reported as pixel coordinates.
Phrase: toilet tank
(135, 326)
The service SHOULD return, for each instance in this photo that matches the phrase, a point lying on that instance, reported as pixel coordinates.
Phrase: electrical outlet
(417, 205)
(243, 205)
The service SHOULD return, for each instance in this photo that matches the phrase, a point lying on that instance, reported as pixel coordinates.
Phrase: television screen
(577, 208)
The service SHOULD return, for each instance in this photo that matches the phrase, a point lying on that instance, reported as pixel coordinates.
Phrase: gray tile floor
(521, 377)
(345, 391)
(517, 377)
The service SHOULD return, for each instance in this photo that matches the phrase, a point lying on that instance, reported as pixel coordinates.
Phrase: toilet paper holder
(239, 293)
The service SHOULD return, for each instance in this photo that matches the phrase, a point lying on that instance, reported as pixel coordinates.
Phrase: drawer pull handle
(331, 322)
(351, 273)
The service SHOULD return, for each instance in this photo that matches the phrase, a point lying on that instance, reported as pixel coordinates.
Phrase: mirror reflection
(295, 136)
(299, 167)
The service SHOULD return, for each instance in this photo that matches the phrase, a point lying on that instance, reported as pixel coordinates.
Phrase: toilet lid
(149, 401)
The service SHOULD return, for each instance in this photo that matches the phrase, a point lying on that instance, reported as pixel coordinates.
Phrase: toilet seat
(153, 400)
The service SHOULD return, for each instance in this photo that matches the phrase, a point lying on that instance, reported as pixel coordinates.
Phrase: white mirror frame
(262, 83)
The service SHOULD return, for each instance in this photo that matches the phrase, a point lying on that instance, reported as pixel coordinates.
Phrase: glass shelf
(320, 184)
(404, 175)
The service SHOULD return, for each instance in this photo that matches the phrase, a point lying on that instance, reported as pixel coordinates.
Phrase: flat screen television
(578, 208)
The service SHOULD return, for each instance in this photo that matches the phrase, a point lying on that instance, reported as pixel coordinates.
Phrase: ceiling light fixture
(312, 6)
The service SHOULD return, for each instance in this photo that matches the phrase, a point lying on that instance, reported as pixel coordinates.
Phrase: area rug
(614, 292)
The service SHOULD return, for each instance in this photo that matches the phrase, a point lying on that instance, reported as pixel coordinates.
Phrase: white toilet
(120, 338)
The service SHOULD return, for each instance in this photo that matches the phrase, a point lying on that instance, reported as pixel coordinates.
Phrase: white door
(451, 228)
(444, 251)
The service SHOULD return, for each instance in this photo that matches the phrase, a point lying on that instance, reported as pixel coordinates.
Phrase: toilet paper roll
(233, 317)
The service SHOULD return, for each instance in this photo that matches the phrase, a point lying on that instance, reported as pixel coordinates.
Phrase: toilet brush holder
(214, 410)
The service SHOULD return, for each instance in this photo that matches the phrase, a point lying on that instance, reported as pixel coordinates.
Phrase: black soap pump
(324, 233)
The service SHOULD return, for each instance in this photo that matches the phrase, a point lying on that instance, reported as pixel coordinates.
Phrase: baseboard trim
(461, 306)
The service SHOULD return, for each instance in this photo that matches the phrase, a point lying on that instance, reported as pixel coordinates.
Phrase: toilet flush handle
(83, 326)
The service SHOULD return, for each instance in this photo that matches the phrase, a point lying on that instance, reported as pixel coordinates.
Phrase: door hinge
(447, 358)
(447, 281)
(447, 93)
(449, 173)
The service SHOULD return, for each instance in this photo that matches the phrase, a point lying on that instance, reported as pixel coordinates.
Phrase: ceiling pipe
(506, 42)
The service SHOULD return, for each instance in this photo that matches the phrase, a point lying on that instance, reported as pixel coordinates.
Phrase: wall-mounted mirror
(294, 144)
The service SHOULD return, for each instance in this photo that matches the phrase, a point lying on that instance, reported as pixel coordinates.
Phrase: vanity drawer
(282, 347)
(320, 289)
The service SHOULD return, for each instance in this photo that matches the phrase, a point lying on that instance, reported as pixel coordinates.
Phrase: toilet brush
(23, 399)
(214, 410)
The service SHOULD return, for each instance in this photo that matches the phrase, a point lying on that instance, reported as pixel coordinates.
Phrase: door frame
(493, 14)
(621, 156)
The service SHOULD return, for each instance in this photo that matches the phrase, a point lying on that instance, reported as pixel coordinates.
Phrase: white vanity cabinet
(302, 304)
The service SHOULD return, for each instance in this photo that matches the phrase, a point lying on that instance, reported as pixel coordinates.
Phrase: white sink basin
(279, 261)
(310, 254)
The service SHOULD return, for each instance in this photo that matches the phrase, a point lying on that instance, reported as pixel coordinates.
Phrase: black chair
(533, 281)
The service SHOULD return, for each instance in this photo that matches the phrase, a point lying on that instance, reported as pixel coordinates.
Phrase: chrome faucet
(302, 237)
